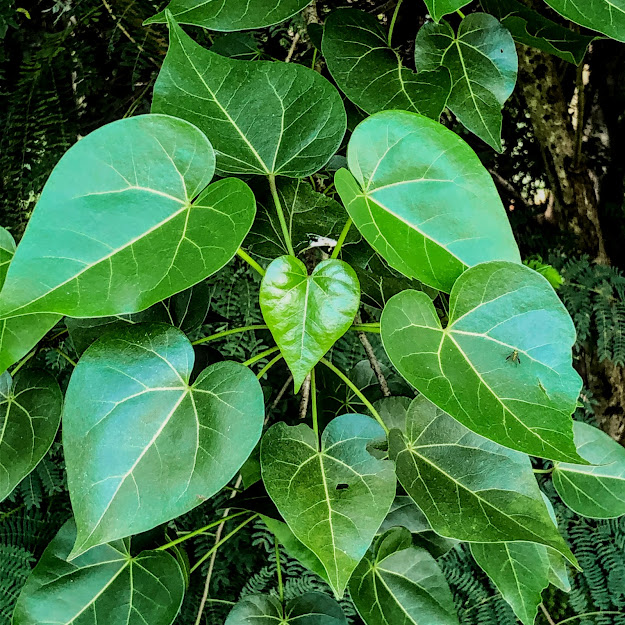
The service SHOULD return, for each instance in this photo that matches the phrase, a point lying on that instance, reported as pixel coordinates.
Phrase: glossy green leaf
(261, 117)
(7, 250)
(558, 574)
(502, 366)
(483, 64)
(398, 584)
(308, 314)
(469, 487)
(440, 8)
(126, 228)
(371, 74)
(144, 446)
(313, 220)
(593, 491)
(519, 570)
(30, 413)
(605, 16)
(312, 608)
(232, 15)
(422, 199)
(405, 513)
(105, 586)
(334, 497)
(529, 27)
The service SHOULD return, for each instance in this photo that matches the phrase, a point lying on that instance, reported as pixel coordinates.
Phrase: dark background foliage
(70, 66)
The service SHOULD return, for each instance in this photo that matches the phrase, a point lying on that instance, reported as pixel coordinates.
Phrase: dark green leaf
(422, 199)
(333, 498)
(313, 608)
(261, 117)
(502, 366)
(440, 8)
(605, 16)
(308, 314)
(370, 73)
(143, 446)
(469, 487)
(230, 16)
(30, 413)
(399, 584)
(241, 46)
(533, 29)
(593, 491)
(483, 64)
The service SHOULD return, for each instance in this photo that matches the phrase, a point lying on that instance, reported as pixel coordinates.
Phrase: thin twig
(294, 43)
(547, 615)
(303, 404)
(373, 361)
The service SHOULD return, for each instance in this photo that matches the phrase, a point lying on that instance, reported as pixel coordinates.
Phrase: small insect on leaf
(514, 357)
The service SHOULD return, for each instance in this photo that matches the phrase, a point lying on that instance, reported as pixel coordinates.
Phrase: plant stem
(23, 361)
(199, 531)
(267, 352)
(218, 544)
(303, 405)
(268, 366)
(276, 201)
(313, 393)
(392, 26)
(374, 362)
(547, 615)
(573, 618)
(241, 253)
(342, 237)
(357, 392)
(460, 13)
(543, 470)
(366, 327)
(62, 353)
(221, 601)
(218, 335)
(279, 569)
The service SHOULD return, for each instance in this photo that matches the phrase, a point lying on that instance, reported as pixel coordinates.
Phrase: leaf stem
(357, 392)
(268, 366)
(221, 542)
(267, 352)
(392, 26)
(313, 393)
(241, 253)
(199, 531)
(366, 327)
(218, 335)
(62, 353)
(460, 13)
(279, 570)
(342, 237)
(550, 470)
(23, 361)
(276, 201)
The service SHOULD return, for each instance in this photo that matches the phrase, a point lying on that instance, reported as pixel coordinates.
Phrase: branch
(373, 361)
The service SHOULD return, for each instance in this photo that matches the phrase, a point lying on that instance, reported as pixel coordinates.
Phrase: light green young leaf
(483, 63)
(312, 608)
(422, 199)
(533, 29)
(7, 250)
(30, 413)
(370, 73)
(308, 314)
(596, 491)
(333, 497)
(106, 585)
(398, 584)
(231, 15)
(261, 117)
(120, 219)
(144, 446)
(502, 366)
(440, 8)
(605, 16)
(468, 487)
(519, 570)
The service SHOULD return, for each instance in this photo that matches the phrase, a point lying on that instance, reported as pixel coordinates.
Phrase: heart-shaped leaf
(593, 491)
(422, 199)
(333, 497)
(308, 314)
(483, 63)
(30, 413)
(232, 15)
(261, 117)
(502, 366)
(144, 446)
(520, 572)
(7, 250)
(399, 584)
(605, 16)
(370, 73)
(440, 8)
(533, 29)
(469, 487)
(312, 608)
(107, 585)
